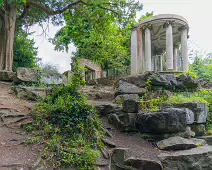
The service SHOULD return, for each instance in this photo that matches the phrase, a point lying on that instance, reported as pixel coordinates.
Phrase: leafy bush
(69, 128)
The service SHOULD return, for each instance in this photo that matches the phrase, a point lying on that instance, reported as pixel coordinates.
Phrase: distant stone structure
(92, 70)
(156, 35)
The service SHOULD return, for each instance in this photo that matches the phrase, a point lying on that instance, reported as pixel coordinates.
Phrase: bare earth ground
(14, 154)
(138, 147)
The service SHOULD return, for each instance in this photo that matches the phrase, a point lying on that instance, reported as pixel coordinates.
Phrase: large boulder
(120, 98)
(107, 108)
(187, 82)
(127, 88)
(200, 110)
(176, 143)
(143, 164)
(199, 158)
(208, 139)
(171, 82)
(26, 75)
(138, 80)
(7, 76)
(167, 121)
(199, 129)
(131, 104)
(30, 93)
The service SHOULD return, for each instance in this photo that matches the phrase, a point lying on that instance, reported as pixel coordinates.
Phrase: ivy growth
(69, 128)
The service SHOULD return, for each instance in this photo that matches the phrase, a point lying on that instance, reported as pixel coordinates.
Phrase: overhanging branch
(49, 11)
(69, 6)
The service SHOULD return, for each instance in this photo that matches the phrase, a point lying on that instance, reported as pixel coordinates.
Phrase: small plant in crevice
(69, 128)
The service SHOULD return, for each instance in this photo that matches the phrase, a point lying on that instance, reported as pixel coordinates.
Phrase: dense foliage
(99, 35)
(69, 128)
(25, 51)
(202, 68)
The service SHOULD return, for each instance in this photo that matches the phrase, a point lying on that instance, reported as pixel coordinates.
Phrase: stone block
(120, 98)
(7, 76)
(176, 143)
(127, 88)
(130, 106)
(167, 121)
(199, 129)
(26, 75)
(200, 110)
(192, 159)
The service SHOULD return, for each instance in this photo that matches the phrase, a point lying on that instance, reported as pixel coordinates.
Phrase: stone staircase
(150, 141)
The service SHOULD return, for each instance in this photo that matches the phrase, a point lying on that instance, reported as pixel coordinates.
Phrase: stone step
(199, 158)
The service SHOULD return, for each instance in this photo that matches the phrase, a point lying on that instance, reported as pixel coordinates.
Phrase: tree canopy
(25, 51)
(202, 68)
(29, 12)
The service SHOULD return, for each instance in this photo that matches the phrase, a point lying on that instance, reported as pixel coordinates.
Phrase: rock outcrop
(176, 143)
(30, 93)
(172, 120)
(26, 75)
(127, 88)
(192, 159)
(7, 76)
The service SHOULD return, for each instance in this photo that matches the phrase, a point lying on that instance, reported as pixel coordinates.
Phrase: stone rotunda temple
(155, 36)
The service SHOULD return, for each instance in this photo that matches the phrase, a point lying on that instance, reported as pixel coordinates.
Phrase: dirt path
(14, 154)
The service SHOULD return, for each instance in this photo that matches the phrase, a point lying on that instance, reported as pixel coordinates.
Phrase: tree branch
(51, 12)
(1, 13)
(69, 6)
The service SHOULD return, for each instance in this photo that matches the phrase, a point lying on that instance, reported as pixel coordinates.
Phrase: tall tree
(33, 11)
(25, 51)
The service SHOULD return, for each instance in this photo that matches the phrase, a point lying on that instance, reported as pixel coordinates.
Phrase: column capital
(149, 26)
(167, 23)
(184, 27)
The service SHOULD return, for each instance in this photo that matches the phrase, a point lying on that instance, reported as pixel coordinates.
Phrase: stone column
(134, 52)
(169, 47)
(184, 49)
(160, 63)
(175, 60)
(148, 57)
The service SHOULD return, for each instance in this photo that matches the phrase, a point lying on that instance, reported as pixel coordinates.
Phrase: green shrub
(70, 128)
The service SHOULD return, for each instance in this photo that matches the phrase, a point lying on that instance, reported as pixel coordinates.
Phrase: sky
(198, 14)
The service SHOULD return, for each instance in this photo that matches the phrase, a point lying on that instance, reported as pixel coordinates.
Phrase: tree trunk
(7, 32)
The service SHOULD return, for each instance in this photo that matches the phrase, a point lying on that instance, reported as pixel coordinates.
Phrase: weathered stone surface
(169, 120)
(130, 105)
(186, 81)
(128, 122)
(7, 76)
(115, 121)
(127, 88)
(169, 81)
(208, 139)
(143, 164)
(98, 95)
(119, 155)
(105, 109)
(199, 129)
(200, 110)
(199, 142)
(120, 98)
(30, 93)
(26, 75)
(138, 80)
(199, 158)
(176, 143)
